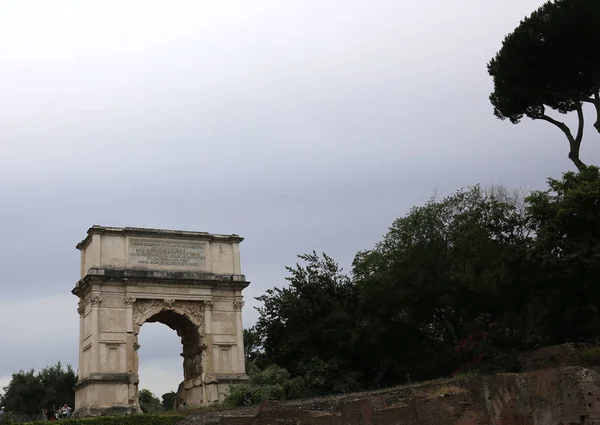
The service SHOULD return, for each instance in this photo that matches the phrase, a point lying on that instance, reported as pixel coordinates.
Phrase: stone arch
(145, 309)
(185, 318)
(507, 405)
(190, 281)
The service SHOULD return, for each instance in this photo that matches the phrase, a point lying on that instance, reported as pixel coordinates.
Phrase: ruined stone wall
(553, 357)
(563, 394)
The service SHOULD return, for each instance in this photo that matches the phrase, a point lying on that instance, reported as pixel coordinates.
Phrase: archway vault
(171, 312)
(186, 318)
(513, 403)
(189, 281)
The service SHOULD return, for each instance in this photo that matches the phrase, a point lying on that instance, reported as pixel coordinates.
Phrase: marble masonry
(190, 281)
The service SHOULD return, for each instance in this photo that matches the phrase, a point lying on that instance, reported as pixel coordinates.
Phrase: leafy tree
(29, 392)
(462, 282)
(168, 400)
(149, 403)
(252, 344)
(566, 219)
(312, 321)
(551, 60)
(435, 272)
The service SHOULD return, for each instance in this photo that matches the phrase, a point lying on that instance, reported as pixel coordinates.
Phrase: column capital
(95, 300)
(238, 304)
(208, 304)
(129, 301)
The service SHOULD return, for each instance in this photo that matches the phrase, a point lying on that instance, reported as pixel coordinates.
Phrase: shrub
(273, 383)
(149, 404)
(327, 377)
(296, 388)
(591, 356)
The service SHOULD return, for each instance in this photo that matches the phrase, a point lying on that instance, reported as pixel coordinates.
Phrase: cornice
(156, 233)
(134, 277)
(104, 377)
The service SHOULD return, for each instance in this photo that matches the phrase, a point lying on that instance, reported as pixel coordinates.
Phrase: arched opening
(189, 391)
(160, 368)
(516, 412)
(533, 401)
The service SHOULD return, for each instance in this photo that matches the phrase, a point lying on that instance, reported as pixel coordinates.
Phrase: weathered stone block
(555, 356)
(395, 416)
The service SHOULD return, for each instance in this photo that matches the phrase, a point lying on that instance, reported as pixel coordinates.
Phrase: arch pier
(189, 281)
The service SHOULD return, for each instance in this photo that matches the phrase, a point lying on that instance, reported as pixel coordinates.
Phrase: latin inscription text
(157, 253)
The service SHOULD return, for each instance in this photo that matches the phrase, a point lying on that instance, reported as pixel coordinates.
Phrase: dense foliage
(168, 400)
(308, 326)
(272, 383)
(149, 403)
(551, 61)
(29, 392)
(460, 283)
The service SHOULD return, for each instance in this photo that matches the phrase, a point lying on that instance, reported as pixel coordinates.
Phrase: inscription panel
(167, 254)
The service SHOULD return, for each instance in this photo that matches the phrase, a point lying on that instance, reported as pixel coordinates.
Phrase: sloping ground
(553, 390)
(328, 405)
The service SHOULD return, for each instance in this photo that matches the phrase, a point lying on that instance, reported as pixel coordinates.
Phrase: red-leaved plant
(471, 350)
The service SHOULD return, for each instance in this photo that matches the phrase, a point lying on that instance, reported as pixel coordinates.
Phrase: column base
(109, 394)
(89, 411)
(207, 389)
(216, 385)
(105, 394)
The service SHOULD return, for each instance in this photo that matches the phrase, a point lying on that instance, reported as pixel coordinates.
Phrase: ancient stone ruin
(553, 389)
(190, 281)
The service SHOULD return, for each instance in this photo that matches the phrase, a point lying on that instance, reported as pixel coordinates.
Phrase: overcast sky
(298, 124)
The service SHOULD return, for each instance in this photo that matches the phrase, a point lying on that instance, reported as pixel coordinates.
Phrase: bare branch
(579, 136)
(580, 123)
(559, 124)
(596, 103)
(574, 142)
(574, 151)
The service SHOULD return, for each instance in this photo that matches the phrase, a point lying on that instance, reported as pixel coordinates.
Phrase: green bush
(591, 356)
(295, 388)
(272, 375)
(328, 377)
(115, 420)
(273, 383)
(149, 404)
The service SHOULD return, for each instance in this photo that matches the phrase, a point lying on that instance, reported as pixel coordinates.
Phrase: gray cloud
(300, 125)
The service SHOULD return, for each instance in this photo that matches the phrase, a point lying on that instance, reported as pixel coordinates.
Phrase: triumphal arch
(190, 281)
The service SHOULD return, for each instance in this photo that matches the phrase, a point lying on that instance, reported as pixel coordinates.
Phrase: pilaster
(95, 300)
(81, 311)
(241, 358)
(130, 337)
(208, 366)
(208, 336)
